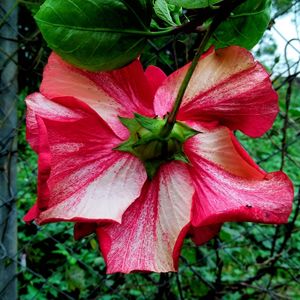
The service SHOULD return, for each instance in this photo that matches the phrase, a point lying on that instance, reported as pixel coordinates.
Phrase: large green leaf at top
(193, 4)
(96, 34)
(245, 26)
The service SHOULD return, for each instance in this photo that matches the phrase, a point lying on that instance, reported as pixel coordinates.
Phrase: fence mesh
(245, 261)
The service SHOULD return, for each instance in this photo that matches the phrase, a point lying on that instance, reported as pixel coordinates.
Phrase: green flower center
(147, 142)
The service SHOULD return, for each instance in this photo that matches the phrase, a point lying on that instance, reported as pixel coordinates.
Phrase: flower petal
(227, 86)
(155, 77)
(119, 92)
(220, 146)
(81, 177)
(82, 229)
(201, 235)
(32, 214)
(103, 198)
(45, 108)
(153, 227)
(229, 187)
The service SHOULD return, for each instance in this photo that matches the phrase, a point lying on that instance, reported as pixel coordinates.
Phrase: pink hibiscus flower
(74, 126)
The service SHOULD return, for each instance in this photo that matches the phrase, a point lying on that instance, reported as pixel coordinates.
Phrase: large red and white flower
(74, 127)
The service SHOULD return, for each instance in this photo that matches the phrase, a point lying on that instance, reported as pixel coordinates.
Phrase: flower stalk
(225, 10)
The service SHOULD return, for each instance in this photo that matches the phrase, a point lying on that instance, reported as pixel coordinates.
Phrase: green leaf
(94, 244)
(152, 124)
(183, 132)
(245, 26)
(130, 123)
(75, 278)
(161, 9)
(176, 13)
(180, 156)
(193, 4)
(152, 167)
(96, 34)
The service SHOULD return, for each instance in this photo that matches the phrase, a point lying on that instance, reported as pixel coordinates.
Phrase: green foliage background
(246, 261)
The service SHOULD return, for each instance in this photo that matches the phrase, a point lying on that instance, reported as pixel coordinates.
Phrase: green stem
(222, 15)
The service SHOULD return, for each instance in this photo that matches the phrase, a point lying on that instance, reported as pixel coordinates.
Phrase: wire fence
(245, 261)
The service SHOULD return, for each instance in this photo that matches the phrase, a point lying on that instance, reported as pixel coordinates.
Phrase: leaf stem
(144, 33)
(223, 13)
